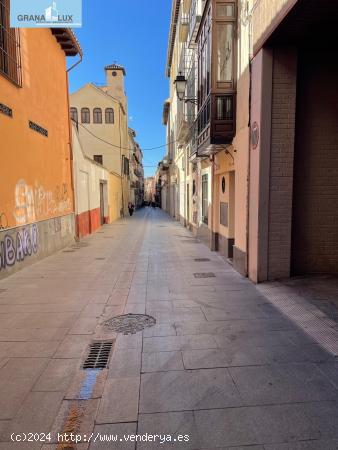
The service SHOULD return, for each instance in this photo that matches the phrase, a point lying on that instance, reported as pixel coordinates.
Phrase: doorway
(315, 190)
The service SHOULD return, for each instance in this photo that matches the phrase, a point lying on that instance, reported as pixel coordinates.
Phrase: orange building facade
(36, 195)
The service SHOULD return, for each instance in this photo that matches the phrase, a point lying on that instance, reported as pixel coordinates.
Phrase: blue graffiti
(15, 248)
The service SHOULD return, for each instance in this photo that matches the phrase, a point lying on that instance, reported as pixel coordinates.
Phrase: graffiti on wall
(15, 248)
(3, 221)
(34, 203)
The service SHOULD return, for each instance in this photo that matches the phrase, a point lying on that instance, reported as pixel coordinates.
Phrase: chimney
(115, 82)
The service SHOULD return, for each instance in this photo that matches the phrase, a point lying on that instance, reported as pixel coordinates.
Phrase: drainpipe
(71, 141)
(249, 126)
(120, 131)
(213, 240)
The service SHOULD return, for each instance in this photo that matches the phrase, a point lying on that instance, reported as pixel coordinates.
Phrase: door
(188, 204)
(102, 203)
(315, 192)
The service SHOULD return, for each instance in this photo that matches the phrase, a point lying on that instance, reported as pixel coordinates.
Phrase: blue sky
(134, 34)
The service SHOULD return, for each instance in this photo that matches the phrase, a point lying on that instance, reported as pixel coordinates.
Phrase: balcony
(216, 124)
(193, 142)
(195, 16)
(184, 28)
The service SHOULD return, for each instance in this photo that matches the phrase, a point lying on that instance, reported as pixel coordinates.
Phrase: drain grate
(108, 237)
(98, 356)
(204, 275)
(202, 259)
(100, 259)
(68, 251)
(190, 241)
(130, 323)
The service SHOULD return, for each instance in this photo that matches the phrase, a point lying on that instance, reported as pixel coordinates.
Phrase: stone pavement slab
(228, 364)
(187, 390)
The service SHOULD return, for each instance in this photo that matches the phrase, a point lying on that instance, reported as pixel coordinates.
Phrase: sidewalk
(223, 365)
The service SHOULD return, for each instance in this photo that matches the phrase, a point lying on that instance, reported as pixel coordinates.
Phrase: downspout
(122, 208)
(213, 239)
(71, 141)
(249, 149)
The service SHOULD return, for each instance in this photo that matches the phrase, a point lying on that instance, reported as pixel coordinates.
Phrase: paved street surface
(227, 364)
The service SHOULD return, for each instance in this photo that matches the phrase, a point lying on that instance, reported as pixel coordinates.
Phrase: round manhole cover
(130, 323)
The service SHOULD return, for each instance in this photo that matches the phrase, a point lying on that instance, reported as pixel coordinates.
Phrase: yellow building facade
(101, 118)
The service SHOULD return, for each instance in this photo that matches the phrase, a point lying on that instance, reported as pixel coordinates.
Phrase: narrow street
(222, 366)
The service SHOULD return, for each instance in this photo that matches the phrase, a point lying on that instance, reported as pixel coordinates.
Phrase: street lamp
(181, 84)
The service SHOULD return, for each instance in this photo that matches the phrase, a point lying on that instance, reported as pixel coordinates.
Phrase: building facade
(252, 148)
(36, 195)
(97, 191)
(136, 193)
(149, 189)
(209, 123)
(101, 115)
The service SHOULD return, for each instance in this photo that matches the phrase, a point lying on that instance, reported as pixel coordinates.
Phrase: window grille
(85, 115)
(10, 60)
(109, 115)
(73, 114)
(97, 115)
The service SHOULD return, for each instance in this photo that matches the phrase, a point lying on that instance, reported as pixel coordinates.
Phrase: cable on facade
(124, 148)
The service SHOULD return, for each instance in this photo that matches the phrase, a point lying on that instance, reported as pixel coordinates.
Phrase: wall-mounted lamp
(181, 85)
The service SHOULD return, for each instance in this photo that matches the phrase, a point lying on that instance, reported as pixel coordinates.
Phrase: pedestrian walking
(131, 208)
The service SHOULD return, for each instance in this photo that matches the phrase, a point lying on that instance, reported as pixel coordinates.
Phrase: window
(205, 199)
(225, 10)
(125, 165)
(204, 61)
(85, 115)
(225, 53)
(224, 109)
(98, 159)
(109, 115)
(97, 115)
(10, 63)
(73, 114)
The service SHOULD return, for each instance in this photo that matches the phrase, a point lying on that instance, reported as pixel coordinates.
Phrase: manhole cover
(98, 356)
(130, 323)
(202, 259)
(204, 275)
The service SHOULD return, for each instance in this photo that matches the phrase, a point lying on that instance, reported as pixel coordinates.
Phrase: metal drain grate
(190, 241)
(98, 356)
(202, 259)
(130, 323)
(204, 275)
(100, 259)
(68, 251)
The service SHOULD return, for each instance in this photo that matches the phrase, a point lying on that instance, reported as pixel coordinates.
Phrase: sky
(134, 34)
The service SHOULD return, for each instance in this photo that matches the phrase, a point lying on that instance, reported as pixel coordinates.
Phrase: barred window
(85, 115)
(73, 114)
(10, 62)
(109, 115)
(97, 115)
